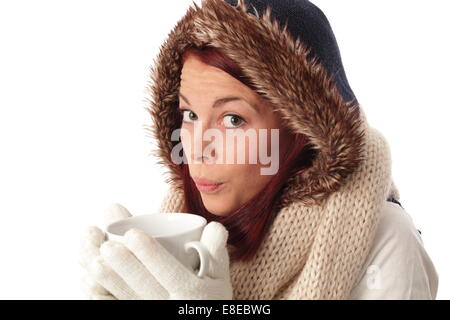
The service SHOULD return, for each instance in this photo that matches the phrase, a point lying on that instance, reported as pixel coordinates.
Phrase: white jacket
(397, 267)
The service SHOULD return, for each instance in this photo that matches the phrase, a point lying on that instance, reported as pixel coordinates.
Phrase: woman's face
(240, 110)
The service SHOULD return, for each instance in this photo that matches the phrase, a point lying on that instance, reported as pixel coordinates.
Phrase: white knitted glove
(143, 269)
(91, 240)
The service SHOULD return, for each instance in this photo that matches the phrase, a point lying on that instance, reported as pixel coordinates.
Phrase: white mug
(178, 233)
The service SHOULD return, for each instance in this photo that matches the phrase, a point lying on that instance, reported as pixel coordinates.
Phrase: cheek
(265, 147)
(187, 141)
(246, 180)
(243, 147)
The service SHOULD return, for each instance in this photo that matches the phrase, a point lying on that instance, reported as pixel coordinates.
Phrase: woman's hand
(91, 241)
(142, 268)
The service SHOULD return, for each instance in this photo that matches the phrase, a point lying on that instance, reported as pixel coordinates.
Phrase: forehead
(197, 76)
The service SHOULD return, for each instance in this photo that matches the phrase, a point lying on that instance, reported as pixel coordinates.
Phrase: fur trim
(305, 98)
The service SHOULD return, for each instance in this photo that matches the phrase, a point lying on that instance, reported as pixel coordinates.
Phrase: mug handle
(202, 252)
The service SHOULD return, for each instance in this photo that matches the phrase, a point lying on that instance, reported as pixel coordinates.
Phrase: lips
(206, 185)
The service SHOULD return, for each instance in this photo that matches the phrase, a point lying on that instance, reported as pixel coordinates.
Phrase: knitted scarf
(321, 236)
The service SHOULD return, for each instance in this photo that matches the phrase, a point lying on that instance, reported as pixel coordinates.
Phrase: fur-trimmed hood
(284, 72)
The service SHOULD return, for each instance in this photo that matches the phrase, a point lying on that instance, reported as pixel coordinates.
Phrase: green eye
(233, 121)
(188, 115)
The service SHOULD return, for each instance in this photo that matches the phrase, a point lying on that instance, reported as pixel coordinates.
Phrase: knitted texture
(317, 252)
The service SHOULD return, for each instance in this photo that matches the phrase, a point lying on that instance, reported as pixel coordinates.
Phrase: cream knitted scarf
(319, 240)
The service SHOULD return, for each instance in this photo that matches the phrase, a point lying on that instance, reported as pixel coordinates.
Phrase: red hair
(247, 225)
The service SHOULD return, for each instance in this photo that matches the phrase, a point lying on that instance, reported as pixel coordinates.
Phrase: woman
(325, 223)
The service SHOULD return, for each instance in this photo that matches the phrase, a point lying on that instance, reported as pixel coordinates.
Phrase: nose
(204, 149)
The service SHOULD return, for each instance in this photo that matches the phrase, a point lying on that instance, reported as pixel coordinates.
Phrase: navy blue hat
(307, 22)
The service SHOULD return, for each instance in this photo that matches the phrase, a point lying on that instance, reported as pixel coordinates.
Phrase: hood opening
(285, 71)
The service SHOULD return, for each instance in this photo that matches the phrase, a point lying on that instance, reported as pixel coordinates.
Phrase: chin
(216, 207)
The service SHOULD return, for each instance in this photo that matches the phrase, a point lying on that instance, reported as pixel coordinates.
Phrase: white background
(72, 138)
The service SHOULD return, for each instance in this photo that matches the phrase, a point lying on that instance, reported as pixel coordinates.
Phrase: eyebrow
(221, 101)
